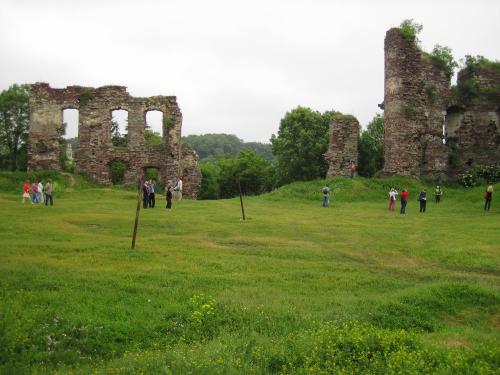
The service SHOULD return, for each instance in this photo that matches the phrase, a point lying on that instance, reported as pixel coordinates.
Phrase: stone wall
(343, 145)
(415, 100)
(95, 149)
(473, 128)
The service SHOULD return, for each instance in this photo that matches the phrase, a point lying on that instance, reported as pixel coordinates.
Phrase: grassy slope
(205, 291)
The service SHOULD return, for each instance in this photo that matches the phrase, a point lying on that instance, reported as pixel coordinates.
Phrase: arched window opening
(68, 138)
(119, 127)
(154, 128)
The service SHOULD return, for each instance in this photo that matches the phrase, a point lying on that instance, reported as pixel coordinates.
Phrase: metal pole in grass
(241, 199)
(138, 209)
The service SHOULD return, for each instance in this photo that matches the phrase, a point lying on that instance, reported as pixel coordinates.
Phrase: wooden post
(241, 200)
(138, 209)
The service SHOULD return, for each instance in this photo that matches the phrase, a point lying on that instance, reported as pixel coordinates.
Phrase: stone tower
(415, 96)
(343, 146)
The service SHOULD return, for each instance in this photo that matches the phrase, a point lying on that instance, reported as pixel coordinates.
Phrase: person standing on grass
(326, 196)
(392, 199)
(48, 193)
(169, 197)
(26, 191)
(404, 200)
(152, 189)
(488, 196)
(437, 194)
(145, 195)
(179, 189)
(40, 192)
(34, 192)
(353, 169)
(422, 198)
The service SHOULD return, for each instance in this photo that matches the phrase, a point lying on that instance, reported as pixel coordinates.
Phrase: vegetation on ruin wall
(85, 96)
(441, 55)
(469, 90)
(294, 289)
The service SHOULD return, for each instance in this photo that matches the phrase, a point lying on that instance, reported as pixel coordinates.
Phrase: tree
(14, 123)
(301, 143)
(371, 148)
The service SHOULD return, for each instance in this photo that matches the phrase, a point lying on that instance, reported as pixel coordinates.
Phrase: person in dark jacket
(422, 198)
(488, 196)
(145, 195)
(152, 190)
(169, 197)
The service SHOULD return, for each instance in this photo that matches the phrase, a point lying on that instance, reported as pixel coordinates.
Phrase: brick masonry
(95, 149)
(415, 97)
(343, 146)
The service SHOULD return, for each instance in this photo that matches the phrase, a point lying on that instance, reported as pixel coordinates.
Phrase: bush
(410, 29)
(441, 56)
(480, 175)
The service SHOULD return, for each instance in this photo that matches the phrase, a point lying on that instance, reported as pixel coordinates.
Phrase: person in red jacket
(404, 200)
(26, 191)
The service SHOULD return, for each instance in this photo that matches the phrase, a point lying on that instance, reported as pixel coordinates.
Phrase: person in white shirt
(40, 192)
(179, 188)
(392, 199)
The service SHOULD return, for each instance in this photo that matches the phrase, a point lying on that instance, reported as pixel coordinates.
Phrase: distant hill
(210, 146)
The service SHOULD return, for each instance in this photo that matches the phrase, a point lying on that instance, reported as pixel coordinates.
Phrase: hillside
(294, 289)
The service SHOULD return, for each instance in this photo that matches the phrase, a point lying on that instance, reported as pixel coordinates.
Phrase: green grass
(294, 289)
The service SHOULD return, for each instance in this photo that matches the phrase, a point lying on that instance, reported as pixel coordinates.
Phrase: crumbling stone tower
(95, 151)
(343, 146)
(473, 118)
(415, 96)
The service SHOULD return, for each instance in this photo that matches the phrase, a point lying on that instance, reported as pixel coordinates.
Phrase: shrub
(441, 56)
(410, 29)
(480, 175)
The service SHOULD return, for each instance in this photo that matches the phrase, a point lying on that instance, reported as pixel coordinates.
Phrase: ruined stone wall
(95, 149)
(415, 97)
(473, 128)
(343, 146)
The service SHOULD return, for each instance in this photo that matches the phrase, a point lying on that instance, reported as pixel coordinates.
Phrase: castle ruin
(95, 151)
(430, 129)
(343, 145)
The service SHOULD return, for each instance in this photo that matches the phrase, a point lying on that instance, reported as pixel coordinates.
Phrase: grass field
(294, 289)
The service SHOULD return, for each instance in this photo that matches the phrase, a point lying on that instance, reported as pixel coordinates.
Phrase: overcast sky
(235, 66)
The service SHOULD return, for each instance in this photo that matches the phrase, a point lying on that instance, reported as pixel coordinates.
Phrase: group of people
(37, 193)
(405, 195)
(173, 190)
(422, 198)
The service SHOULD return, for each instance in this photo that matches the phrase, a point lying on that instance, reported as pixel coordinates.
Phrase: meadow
(296, 288)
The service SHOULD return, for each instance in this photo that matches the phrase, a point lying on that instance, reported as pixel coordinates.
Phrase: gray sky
(235, 66)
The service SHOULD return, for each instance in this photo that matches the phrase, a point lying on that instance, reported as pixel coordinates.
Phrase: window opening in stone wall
(154, 128)
(119, 127)
(68, 138)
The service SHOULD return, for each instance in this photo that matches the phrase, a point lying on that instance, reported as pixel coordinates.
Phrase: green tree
(14, 124)
(371, 148)
(301, 143)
